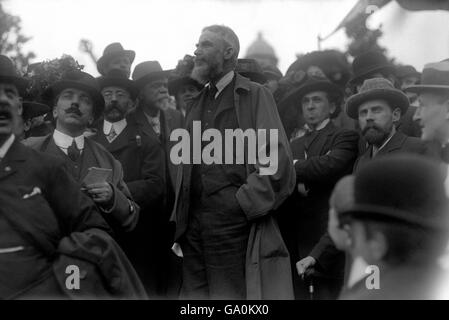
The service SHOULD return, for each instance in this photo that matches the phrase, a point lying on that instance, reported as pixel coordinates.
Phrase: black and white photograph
(218, 156)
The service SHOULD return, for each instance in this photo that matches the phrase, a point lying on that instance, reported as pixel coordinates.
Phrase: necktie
(73, 152)
(112, 134)
(212, 91)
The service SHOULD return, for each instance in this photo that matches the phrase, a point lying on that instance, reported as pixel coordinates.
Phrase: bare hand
(304, 264)
(100, 192)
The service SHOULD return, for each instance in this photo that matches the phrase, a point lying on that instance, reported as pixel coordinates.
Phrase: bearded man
(377, 106)
(219, 209)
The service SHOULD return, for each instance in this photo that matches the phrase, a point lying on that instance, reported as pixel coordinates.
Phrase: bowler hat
(110, 52)
(9, 74)
(315, 83)
(435, 76)
(368, 63)
(404, 188)
(148, 71)
(374, 89)
(117, 78)
(251, 69)
(32, 109)
(407, 71)
(82, 81)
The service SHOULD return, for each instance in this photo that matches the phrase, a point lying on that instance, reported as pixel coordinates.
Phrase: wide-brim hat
(9, 74)
(82, 81)
(402, 188)
(374, 89)
(435, 76)
(175, 84)
(116, 78)
(311, 84)
(148, 71)
(112, 51)
(407, 71)
(32, 109)
(368, 63)
(272, 72)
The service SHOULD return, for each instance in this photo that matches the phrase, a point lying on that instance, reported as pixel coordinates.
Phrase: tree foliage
(12, 39)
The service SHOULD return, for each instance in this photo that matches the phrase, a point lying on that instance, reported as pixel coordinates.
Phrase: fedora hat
(315, 83)
(82, 81)
(111, 51)
(117, 78)
(373, 89)
(9, 74)
(148, 71)
(32, 109)
(404, 188)
(435, 76)
(250, 69)
(368, 63)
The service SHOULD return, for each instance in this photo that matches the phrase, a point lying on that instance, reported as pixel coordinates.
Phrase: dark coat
(142, 159)
(268, 273)
(399, 142)
(74, 226)
(124, 213)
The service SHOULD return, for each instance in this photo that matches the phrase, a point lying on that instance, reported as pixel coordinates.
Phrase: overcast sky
(165, 30)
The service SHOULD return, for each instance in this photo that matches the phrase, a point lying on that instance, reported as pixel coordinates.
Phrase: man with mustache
(223, 215)
(377, 106)
(142, 159)
(78, 103)
(46, 222)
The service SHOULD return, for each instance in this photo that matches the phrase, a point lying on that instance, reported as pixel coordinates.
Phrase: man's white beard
(206, 72)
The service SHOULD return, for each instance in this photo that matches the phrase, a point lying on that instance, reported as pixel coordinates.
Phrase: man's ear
(332, 108)
(396, 114)
(20, 109)
(228, 53)
(378, 246)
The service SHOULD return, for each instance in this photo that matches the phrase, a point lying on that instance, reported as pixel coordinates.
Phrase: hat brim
(382, 213)
(127, 84)
(141, 82)
(395, 97)
(326, 86)
(368, 72)
(20, 83)
(103, 61)
(175, 85)
(96, 96)
(33, 109)
(423, 87)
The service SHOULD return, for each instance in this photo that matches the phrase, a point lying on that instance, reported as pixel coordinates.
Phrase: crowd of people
(92, 205)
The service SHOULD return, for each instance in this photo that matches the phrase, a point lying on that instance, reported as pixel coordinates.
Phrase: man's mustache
(74, 110)
(371, 126)
(5, 112)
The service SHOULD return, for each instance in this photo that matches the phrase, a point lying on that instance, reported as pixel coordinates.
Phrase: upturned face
(209, 57)
(74, 108)
(119, 63)
(376, 120)
(10, 109)
(433, 115)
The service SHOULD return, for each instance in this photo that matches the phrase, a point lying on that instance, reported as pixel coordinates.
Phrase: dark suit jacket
(399, 142)
(57, 210)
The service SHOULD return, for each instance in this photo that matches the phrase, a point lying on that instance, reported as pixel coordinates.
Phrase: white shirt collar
(5, 147)
(320, 126)
(119, 126)
(357, 271)
(223, 82)
(64, 141)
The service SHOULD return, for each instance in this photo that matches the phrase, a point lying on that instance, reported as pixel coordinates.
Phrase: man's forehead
(317, 93)
(120, 59)
(114, 88)
(209, 36)
(75, 90)
(374, 103)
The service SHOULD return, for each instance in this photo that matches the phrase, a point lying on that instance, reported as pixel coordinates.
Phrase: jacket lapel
(10, 163)
(395, 143)
(144, 125)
